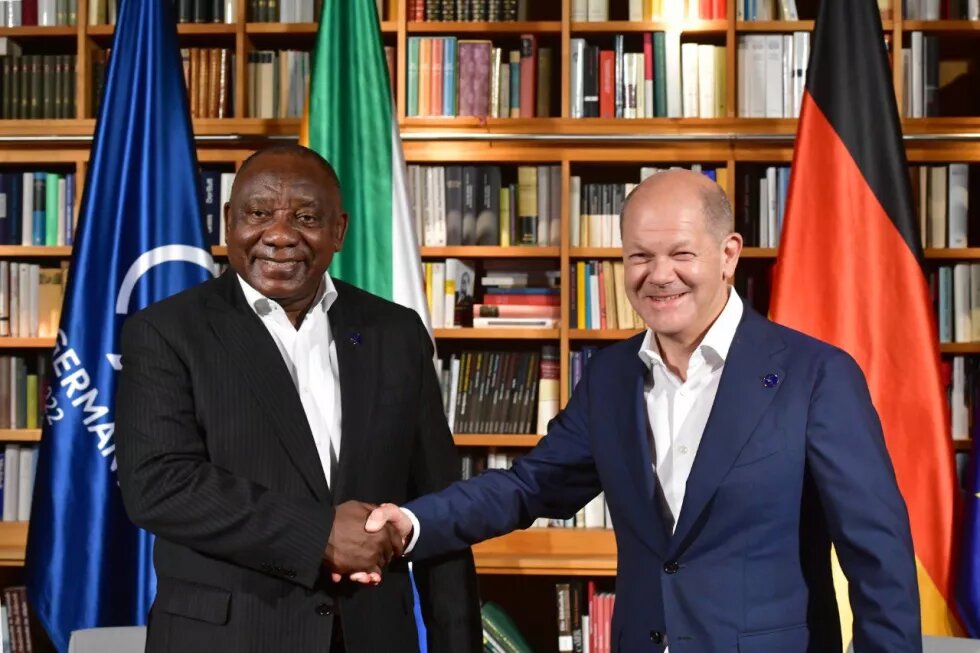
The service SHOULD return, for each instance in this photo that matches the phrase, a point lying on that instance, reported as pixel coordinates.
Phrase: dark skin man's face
(284, 224)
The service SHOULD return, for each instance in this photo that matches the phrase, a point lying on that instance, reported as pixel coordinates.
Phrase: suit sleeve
(864, 511)
(555, 479)
(170, 487)
(447, 585)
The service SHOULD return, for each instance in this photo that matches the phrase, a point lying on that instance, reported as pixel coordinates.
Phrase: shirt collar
(717, 340)
(325, 297)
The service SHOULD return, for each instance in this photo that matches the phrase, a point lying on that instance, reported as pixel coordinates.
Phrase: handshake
(364, 539)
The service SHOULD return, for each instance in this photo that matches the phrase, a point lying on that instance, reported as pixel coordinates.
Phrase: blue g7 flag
(140, 239)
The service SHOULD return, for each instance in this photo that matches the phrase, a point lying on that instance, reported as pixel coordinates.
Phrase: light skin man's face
(677, 268)
(284, 224)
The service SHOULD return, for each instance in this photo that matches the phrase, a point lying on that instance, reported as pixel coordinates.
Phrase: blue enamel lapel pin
(770, 380)
(355, 338)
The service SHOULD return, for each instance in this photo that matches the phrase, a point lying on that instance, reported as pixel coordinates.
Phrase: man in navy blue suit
(732, 452)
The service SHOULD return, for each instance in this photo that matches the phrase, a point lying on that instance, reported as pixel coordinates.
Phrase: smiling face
(284, 224)
(678, 260)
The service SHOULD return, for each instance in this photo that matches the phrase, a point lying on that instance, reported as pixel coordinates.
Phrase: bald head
(290, 150)
(680, 186)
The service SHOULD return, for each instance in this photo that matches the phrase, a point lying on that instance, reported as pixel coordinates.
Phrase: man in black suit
(253, 408)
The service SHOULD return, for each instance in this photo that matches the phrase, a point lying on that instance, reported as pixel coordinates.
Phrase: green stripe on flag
(351, 125)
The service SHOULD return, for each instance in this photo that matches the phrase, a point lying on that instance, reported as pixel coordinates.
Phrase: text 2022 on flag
(850, 273)
(140, 239)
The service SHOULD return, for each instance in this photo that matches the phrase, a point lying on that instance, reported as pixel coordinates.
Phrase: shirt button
(682, 449)
(656, 636)
(671, 567)
(324, 610)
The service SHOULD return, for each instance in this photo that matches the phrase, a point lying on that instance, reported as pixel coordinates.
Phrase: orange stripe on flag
(845, 275)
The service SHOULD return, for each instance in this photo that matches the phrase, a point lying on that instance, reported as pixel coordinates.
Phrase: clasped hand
(364, 540)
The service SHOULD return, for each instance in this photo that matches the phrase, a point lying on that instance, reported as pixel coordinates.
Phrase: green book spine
(412, 80)
(48, 64)
(51, 209)
(659, 75)
(32, 421)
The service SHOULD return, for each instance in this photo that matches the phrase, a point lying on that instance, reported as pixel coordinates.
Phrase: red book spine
(529, 74)
(607, 84)
(28, 12)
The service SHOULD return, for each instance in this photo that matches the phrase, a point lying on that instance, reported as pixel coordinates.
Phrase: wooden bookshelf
(728, 142)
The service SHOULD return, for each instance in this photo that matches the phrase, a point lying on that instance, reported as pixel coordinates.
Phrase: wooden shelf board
(602, 334)
(470, 251)
(942, 26)
(280, 28)
(550, 551)
(501, 333)
(34, 31)
(20, 435)
(774, 26)
(625, 26)
(496, 440)
(501, 27)
(26, 343)
(959, 347)
(958, 253)
(34, 251)
(611, 127)
(13, 543)
(535, 565)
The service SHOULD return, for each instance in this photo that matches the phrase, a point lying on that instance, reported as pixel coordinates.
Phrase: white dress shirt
(310, 354)
(677, 411)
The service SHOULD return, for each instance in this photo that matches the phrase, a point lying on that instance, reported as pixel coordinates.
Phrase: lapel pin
(355, 338)
(770, 380)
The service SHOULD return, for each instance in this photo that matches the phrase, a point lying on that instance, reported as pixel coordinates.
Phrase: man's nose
(281, 232)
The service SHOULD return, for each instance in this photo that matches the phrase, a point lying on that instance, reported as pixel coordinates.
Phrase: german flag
(850, 272)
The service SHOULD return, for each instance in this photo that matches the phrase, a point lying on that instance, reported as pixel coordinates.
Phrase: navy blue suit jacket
(781, 473)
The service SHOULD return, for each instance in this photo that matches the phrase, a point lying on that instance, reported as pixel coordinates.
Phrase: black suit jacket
(216, 458)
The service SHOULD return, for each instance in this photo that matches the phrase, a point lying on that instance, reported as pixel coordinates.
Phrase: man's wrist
(413, 537)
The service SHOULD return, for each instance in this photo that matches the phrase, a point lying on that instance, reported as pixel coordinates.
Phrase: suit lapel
(257, 360)
(741, 400)
(358, 357)
(632, 422)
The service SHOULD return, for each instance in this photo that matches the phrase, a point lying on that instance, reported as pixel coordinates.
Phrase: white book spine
(918, 88)
(774, 76)
(629, 90)
(764, 212)
(598, 10)
(962, 309)
(975, 301)
(801, 59)
(742, 73)
(959, 408)
(973, 10)
(789, 98)
(4, 299)
(440, 205)
(706, 81)
(25, 482)
(640, 83)
(772, 190)
(11, 479)
(757, 76)
(577, 81)
(575, 209)
(636, 11)
(672, 57)
(580, 11)
(27, 210)
(958, 203)
(689, 79)
(33, 288)
(937, 206)
(15, 300)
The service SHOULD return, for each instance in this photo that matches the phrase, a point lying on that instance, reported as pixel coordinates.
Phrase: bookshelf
(589, 147)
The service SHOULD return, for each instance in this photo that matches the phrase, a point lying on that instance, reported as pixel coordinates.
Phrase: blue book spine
(589, 273)
(211, 183)
(515, 88)
(70, 209)
(5, 206)
(40, 216)
(449, 76)
(15, 207)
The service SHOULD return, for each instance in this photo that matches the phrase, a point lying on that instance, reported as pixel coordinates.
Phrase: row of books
(449, 288)
(477, 205)
(940, 10)
(216, 192)
(468, 10)
(23, 387)
(595, 208)
(500, 633)
(46, 13)
(956, 297)
(772, 74)
(942, 198)
(598, 297)
(584, 618)
(500, 391)
(206, 11)
(666, 80)
(921, 67)
(646, 10)
(37, 208)
(761, 205)
(30, 300)
(471, 77)
(15, 621)
(36, 86)
(210, 81)
(280, 11)
(18, 463)
(766, 10)
(277, 83)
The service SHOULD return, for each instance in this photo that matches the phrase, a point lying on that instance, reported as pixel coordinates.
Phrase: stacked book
(36, 86)
(598, 297)
(30, 299)
(525, 298)
(17, 465)
(449, 289)
(277, 83)
(772, 74)
(210, 81)
(762, 204)
(45, 13)
(37, 208)
(647, 10)
(467, 10)
(942, 198)
(216, 192)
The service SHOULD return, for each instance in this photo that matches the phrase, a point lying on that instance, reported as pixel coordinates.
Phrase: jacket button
(656, 636)
(671, 567)
(290, 574)
(324, 610)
